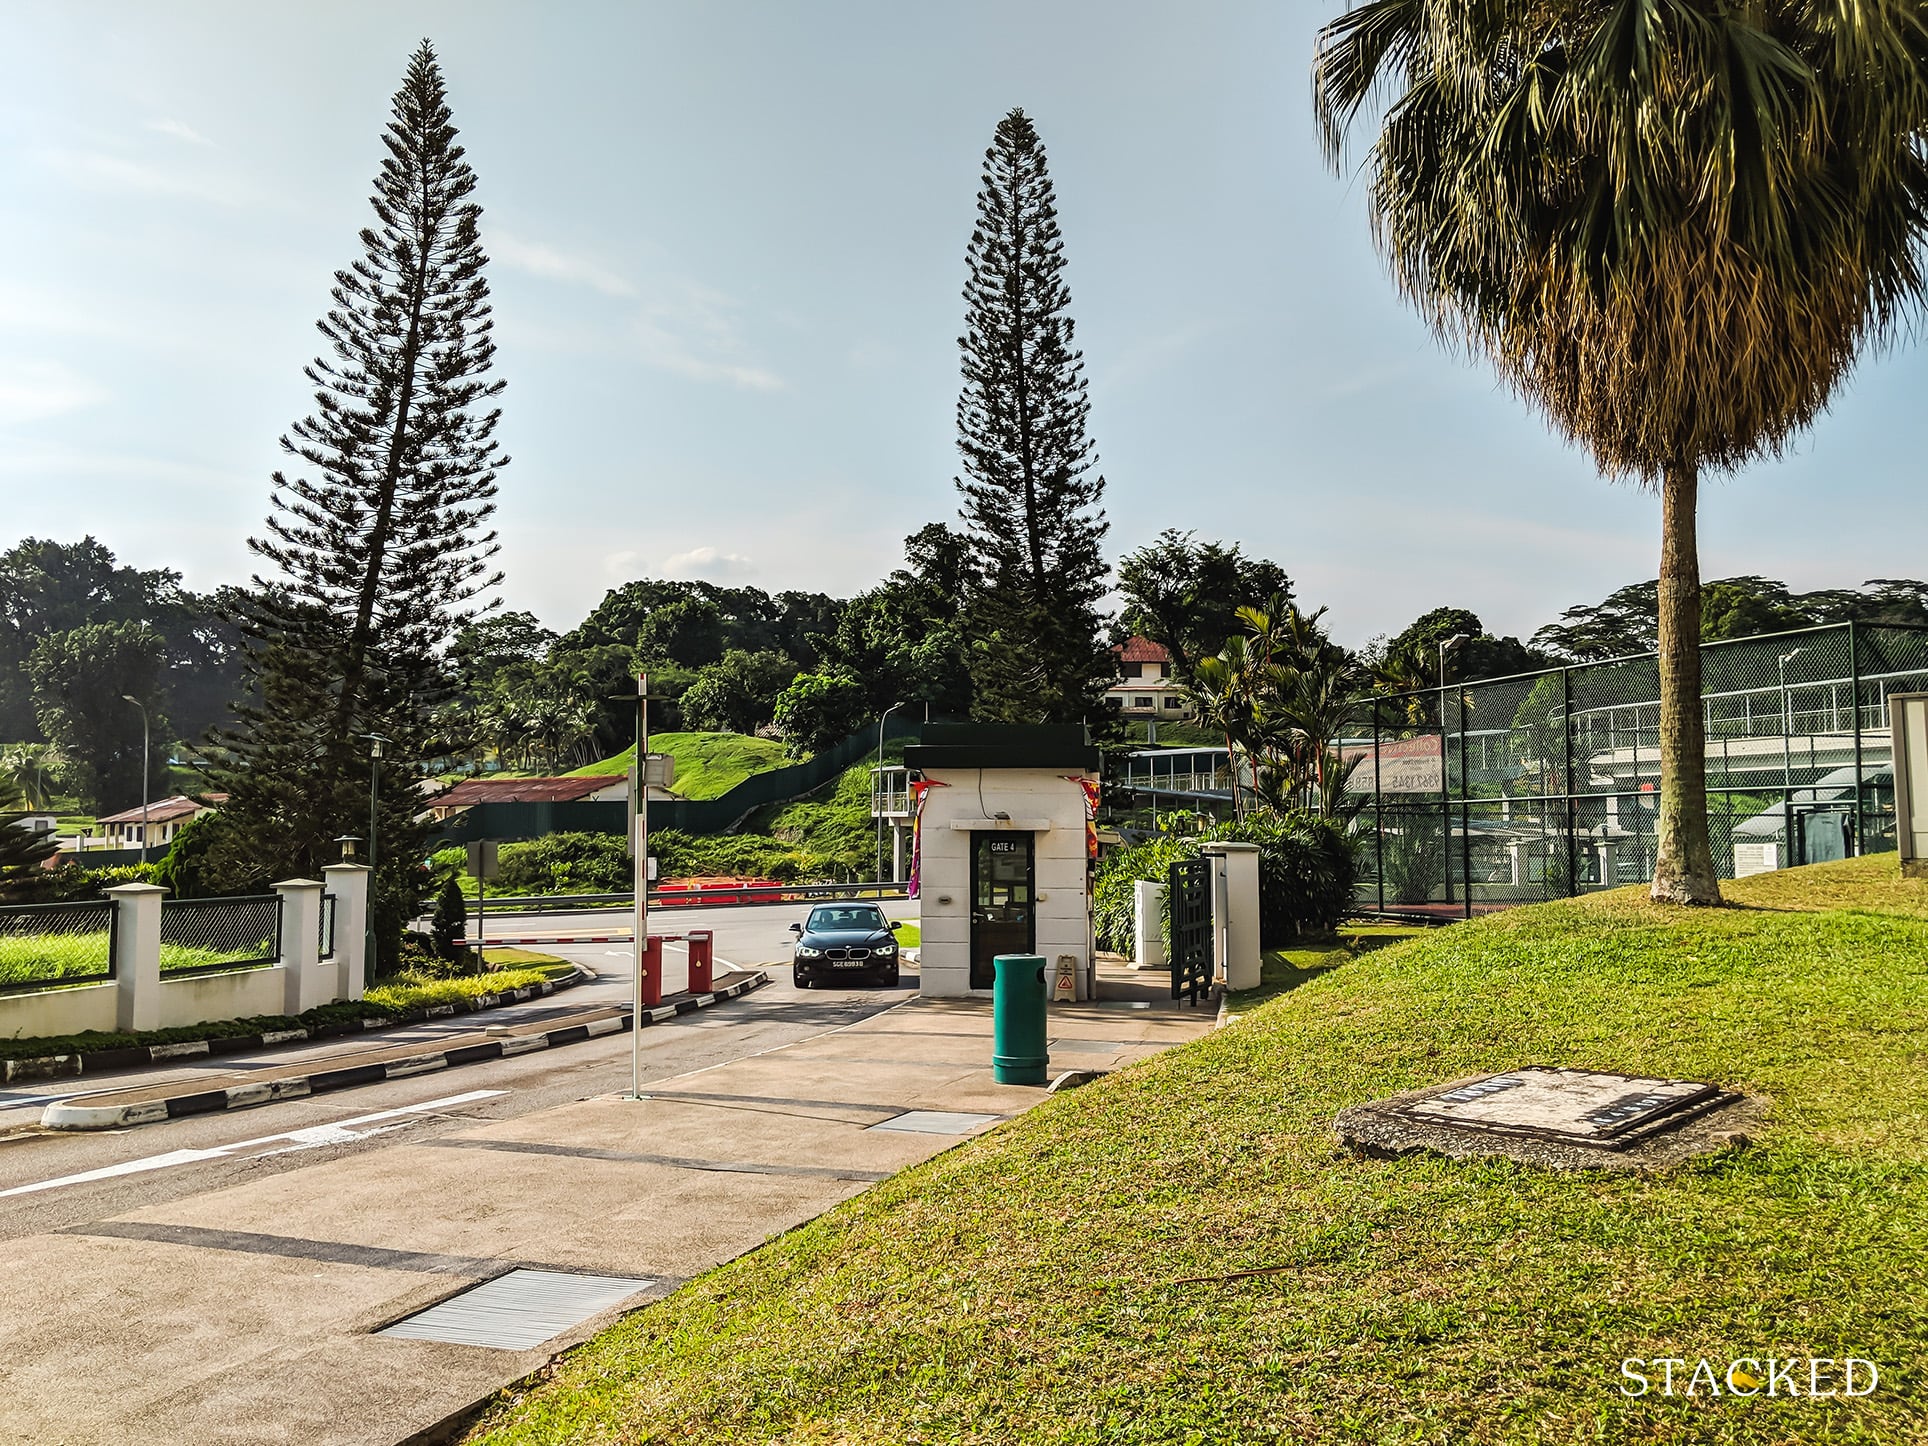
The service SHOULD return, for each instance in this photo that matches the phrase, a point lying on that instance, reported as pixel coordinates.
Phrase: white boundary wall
(141, 997)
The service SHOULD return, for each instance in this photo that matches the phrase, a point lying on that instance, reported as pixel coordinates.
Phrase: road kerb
(95, 1113)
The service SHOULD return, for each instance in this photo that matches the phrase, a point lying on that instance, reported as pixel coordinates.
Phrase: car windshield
(865, 917)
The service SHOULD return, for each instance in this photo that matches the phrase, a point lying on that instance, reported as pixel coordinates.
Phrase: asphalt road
(129, 1169)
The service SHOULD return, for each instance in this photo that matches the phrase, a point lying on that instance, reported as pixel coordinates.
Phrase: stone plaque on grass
(1565, 1118)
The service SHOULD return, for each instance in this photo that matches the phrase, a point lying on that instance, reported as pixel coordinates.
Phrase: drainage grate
(517, 1311)
(936, 1122)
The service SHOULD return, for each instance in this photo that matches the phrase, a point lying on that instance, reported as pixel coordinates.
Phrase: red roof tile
(523, 790)
(164, 810)
(1142, 650)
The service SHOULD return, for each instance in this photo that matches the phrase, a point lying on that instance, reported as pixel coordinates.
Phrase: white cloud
(180, 130)
(553, 265)
(707, 562)
(663, 349)
(693, 333)
(30, 391)
(100, 171)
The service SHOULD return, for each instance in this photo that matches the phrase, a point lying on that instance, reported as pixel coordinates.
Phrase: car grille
(841, 953)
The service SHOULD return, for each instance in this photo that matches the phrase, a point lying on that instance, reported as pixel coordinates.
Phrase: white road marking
(307, 1138)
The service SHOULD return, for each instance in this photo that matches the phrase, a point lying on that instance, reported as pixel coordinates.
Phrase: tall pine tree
(379, 540)
(1031, 499)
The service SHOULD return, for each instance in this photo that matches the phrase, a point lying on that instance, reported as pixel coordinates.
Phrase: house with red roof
(1145, 690)
(161, 819)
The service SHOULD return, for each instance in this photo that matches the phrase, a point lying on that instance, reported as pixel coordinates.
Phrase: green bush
(566, 863)
(68, 882)
(682, 855)
(1307, 868)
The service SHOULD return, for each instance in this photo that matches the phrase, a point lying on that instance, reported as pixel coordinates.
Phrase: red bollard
(653, 971)
(701, 943)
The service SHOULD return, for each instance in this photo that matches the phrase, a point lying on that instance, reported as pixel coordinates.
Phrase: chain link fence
(1514, 790)
(45, 945)
(199, 936)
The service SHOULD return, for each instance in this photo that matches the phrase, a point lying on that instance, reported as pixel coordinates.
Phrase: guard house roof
(523, 790)
(1002, 745)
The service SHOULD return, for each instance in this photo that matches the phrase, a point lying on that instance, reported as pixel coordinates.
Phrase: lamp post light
(1446, 645)
(146, 756)
(1787, 764)
(876, 782)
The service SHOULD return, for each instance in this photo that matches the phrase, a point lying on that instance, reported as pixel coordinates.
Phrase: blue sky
(728, 256)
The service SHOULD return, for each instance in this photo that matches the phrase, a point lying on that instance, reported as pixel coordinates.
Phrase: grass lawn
(708, 765)
(1040, 1284)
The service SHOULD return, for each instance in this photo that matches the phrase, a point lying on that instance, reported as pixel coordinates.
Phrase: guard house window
(1141, 702)
(1174, 703)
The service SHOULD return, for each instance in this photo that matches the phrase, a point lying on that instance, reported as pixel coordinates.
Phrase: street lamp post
(1787, 765)
(375, 742)
(877, 779)
(147, 754)
(1446, 645)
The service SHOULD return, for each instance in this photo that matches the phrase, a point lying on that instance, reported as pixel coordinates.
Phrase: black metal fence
(199, 936)
(46, 945)
(1544, 785)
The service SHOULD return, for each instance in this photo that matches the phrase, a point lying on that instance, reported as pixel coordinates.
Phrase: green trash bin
(1018, 1054)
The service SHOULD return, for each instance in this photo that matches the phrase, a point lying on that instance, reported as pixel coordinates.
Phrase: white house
(1003, 854)
(1145, 690)
(162, 819)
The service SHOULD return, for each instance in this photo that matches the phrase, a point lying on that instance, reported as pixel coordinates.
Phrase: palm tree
(1672, 225)
(1217, 690)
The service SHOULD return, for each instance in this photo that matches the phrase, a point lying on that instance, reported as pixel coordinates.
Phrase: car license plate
(849, 963)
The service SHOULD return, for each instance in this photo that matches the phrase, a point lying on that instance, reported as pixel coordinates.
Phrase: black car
(844, 941)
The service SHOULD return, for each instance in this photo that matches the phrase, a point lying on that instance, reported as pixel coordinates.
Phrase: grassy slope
(1028, 1286)
(708, 765)
(835, 821)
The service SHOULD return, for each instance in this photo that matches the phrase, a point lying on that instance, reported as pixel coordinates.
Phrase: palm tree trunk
(1684, 869)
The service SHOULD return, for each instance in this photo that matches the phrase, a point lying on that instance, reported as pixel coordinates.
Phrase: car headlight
(885, 951)
(804, 951)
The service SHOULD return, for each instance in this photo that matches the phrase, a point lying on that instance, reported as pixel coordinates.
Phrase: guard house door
(1003, 901)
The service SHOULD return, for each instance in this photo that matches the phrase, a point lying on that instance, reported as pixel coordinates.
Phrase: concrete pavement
(247, 1313)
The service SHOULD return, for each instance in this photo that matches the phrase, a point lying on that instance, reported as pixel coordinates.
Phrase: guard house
(1002, 850)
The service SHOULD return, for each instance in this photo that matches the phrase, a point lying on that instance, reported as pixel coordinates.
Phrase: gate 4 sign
(1005, 846)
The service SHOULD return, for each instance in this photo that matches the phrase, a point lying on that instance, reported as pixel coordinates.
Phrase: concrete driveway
(231, 1284)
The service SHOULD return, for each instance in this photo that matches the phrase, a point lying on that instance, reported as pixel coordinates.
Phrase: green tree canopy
(1185, 594)
(1031, 503)
(81, 679)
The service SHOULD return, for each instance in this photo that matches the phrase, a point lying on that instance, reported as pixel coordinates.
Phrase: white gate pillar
(1235, 913)
(137, 954)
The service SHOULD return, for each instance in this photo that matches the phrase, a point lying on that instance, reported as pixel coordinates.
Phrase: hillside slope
(708, 765)
(1039, 1284)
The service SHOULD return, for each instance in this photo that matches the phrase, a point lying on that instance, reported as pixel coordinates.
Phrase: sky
(727, 249)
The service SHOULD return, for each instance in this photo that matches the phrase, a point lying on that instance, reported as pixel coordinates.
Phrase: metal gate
(1189, 886)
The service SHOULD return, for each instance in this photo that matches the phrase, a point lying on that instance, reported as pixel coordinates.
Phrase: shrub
(449, 925)
(566, 863)
(1307, 868)
(68, 882)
